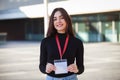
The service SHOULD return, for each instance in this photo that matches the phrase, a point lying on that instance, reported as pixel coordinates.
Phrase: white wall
(72, 6)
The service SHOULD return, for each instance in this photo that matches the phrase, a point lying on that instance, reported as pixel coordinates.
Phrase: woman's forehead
(57, 13)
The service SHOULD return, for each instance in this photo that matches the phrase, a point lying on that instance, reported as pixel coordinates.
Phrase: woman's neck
(61, 32)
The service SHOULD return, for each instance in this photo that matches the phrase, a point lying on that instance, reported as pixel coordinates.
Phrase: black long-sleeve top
(49, 52)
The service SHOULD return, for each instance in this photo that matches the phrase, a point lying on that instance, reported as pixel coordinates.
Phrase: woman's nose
(58, 20)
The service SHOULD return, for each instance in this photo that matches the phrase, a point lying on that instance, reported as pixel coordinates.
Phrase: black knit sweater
(49, 52)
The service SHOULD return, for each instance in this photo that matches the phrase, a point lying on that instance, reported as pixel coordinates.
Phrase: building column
(119, 29)
(114, 36)
(100, 31)
(45, 17)
(76, 27)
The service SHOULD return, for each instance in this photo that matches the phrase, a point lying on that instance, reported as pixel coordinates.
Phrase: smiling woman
(61, 48)
(57, 18)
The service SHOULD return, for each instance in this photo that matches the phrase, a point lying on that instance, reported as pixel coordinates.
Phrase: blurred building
(93, 20)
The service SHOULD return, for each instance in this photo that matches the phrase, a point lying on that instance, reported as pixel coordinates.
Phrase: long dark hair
(51, 29)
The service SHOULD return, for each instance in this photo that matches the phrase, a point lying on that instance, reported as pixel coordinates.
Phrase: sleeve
(80, 58)
(43, 57)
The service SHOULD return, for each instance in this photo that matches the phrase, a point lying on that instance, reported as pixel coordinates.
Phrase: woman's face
(59, 22)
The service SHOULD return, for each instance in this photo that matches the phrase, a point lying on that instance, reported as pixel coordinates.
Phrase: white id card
(61, 66)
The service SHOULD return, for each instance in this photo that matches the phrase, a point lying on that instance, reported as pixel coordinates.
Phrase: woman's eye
(61, 17)
(54, 19)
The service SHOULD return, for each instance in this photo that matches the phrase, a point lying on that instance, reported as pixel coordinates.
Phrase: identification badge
(61, 66)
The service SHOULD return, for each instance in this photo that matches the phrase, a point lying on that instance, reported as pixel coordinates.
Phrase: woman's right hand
(50, 67)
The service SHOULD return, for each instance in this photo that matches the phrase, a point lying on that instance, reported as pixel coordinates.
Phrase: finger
(54, 68)
(70, 69)
(47, 71)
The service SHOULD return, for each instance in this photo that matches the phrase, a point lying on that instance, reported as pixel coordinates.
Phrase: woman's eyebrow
(59, 16)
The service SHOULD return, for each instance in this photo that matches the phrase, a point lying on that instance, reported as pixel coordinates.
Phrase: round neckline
(61, 33)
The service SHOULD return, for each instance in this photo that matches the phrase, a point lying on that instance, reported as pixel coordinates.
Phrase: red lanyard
(65, 45)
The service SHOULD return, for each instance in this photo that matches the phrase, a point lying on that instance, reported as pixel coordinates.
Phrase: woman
(62, 54)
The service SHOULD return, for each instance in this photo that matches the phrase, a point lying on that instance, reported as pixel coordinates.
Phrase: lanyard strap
(59, 47)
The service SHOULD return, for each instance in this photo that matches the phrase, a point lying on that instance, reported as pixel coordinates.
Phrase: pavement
(19, 60)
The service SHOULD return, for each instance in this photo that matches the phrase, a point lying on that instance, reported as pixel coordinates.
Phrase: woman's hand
(50, 67)
(72, 68)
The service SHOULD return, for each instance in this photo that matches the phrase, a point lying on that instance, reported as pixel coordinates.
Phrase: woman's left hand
(72, 68)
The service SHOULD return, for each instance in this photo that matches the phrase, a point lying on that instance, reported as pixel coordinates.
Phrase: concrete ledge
(3, 37)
